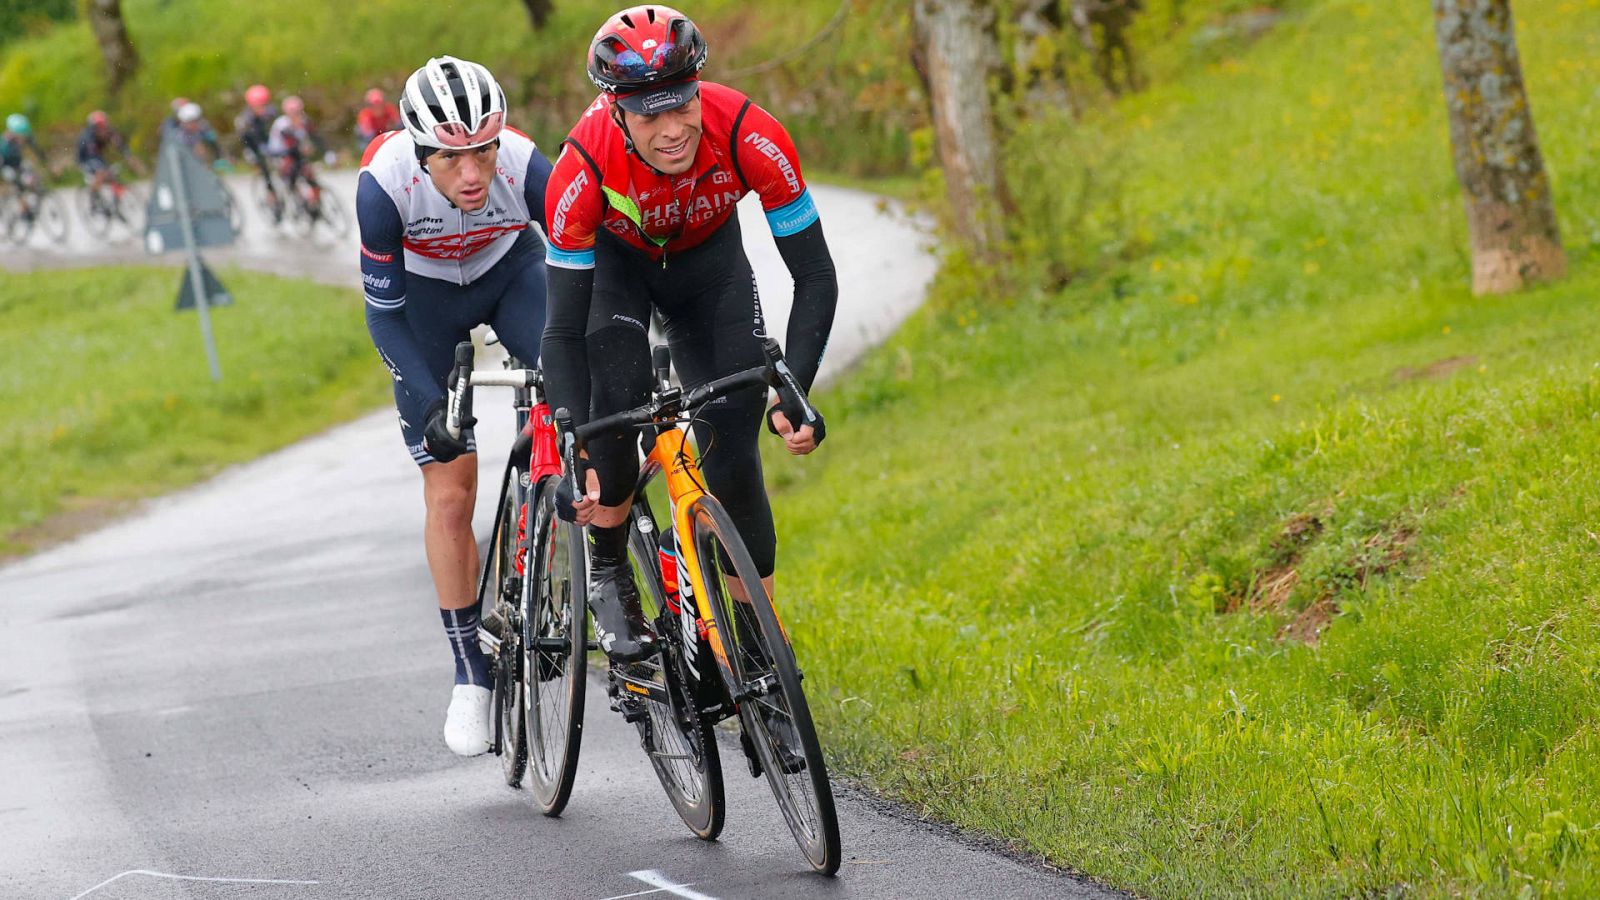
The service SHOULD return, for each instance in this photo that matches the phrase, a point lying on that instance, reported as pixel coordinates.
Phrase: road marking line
(188, 878)
(636, 894)
(662, 883)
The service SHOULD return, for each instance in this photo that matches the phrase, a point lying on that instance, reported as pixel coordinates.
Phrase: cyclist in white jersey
(445, 209)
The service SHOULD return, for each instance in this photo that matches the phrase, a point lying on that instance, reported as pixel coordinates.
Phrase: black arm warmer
(816, 296)
(564, 353)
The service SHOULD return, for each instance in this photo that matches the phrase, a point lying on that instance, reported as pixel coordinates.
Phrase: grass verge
(1224, 545)
(109, 400)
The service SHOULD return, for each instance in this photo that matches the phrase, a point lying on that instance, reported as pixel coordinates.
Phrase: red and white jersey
(440, 240)
(599, 183)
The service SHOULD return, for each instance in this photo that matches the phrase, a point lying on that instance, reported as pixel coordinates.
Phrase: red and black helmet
(644, 48)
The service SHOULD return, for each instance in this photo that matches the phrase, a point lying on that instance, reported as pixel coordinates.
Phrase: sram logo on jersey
(558, 225)
(377, 257)
(766, 147)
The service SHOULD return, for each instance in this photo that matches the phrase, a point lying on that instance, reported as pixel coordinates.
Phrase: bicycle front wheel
(230, 205)
(94, 207)
(765, 684)
(556, 645)
(332, 214)
(680, 741)
(52, 217)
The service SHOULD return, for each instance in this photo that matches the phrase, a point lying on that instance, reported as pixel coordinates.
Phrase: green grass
(211, 50)
(107, 396)
(1040, 572)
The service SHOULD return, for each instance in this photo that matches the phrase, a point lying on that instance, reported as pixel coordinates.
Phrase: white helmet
(452, 104)
(189, 112)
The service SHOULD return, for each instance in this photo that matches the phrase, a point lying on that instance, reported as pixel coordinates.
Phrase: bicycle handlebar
(671, 403)
(463, 378)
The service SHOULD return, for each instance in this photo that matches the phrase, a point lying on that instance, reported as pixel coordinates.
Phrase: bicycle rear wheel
(680, 740)
(766, 687)
(501, 595)
(556, 645)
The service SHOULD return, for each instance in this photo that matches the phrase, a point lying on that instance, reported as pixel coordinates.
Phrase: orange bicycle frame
(685, 485)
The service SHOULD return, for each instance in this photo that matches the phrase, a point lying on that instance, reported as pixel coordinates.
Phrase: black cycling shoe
(618, 619)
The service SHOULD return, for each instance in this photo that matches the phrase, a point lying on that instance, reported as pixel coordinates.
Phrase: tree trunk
(1510, 215)
(539, 12)
(956, 53)
(105, 20)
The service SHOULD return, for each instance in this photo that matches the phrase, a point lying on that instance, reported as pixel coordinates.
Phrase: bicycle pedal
(632, 710)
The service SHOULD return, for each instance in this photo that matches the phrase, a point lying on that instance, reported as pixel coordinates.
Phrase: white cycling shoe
(466, 723)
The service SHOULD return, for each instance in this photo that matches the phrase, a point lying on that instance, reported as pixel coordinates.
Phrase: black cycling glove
(819, 428)
(436, 437)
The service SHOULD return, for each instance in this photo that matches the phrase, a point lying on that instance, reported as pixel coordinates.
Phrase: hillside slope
(1260, 558)
(211, 50)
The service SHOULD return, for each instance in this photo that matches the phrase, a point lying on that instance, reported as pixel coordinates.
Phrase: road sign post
(188, 205)
(197, 282)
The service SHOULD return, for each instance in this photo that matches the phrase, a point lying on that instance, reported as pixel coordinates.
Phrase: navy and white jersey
(407, 226)
(433, 271)
(286, 137)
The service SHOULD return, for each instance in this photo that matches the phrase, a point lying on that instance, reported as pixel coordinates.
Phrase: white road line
(662, 883)
(636, 894)
(189, 878)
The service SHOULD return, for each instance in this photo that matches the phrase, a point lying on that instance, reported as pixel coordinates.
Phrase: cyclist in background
(642, 215)
(253, 125)
(170, 123)
(195, 132)
(96, 139)
(376, 117)
(444, 208)
(292, 141)
(14, 169)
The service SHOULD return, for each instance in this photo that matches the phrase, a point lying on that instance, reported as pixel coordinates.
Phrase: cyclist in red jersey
(641, 213)
(375, 118)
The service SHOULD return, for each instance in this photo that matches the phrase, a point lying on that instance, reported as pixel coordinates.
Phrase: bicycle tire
(52, 217)
(230, 205)
(502, 591)
(805, 796)
(94, 211)
(556, 642)
(332, 213)
(11, 225)
(263, 199)
(680, 741)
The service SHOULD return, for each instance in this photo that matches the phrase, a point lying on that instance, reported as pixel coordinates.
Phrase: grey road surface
(238, 692)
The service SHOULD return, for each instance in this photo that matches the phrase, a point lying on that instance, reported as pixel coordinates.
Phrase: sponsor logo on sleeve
(377, 257)
(558, 223)
(766, 147)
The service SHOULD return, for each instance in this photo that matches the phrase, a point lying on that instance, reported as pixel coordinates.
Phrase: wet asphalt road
(247, 679)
